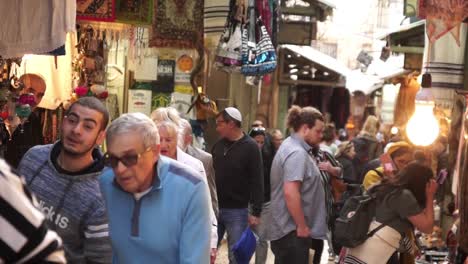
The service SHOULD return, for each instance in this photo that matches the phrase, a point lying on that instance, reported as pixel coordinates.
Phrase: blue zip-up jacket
(169, 224)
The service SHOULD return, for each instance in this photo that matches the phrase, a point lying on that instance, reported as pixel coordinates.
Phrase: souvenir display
(89, 65)
(245, 44)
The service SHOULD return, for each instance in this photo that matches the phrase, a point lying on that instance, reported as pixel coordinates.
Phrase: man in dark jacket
(27, 134)
(239, 178)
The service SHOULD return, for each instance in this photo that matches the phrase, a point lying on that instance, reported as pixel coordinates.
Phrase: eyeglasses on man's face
(127, 160)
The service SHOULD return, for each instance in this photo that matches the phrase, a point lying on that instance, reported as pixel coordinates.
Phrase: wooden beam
(407, 49)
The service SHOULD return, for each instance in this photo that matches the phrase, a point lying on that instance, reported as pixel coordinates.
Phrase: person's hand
(325, 166)
(431, 189)
(303, 231)
(213, 253)
(253, 220)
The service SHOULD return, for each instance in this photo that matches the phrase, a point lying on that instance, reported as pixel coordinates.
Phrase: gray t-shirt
(293, 163)
(397, 207)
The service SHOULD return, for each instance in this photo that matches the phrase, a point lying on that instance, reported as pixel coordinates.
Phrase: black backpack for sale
(352, 226)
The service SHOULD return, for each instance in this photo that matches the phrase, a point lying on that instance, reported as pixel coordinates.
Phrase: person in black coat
(27, 134)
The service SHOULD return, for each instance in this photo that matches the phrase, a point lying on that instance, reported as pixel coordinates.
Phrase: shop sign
(139, 101)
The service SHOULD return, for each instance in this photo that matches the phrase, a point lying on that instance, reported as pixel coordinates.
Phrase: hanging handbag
(228, 52)
(258, 58)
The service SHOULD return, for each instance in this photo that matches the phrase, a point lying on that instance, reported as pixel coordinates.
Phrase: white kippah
(234, 113)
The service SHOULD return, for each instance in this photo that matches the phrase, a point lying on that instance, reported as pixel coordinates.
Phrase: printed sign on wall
(139, 101)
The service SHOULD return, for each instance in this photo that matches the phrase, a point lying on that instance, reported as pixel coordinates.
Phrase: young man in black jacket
(239, 177)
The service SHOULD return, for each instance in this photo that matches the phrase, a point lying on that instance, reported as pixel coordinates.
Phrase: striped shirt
(324, 156)
(24, 237)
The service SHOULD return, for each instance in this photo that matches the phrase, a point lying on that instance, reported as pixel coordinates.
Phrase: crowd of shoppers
(155, 198)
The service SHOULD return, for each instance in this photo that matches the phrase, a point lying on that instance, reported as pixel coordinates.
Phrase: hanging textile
(177, 23)
(135, 12)
(35, 27)
(95, 10)
(444, 60)
(264, 13)
(443, 16)
(60, 51)
(215, 14)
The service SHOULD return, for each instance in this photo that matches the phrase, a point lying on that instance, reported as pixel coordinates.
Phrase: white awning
(358, 81)
(328, 3)
(320, 58)
(377, 73)
(402, 28)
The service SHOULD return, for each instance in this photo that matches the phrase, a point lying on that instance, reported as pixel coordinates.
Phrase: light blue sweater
(169, 224)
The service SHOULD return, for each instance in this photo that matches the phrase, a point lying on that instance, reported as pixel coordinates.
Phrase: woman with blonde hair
(369, 134)
(366, 145)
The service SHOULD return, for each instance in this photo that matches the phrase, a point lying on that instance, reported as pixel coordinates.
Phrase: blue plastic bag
(245, 247)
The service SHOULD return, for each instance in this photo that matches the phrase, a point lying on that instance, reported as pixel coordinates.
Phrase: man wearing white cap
(239, 177)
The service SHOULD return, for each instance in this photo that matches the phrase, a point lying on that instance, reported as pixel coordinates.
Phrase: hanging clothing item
(60, 51)
(214, 17)
(264, 13)
(445, 61)
(31, 26)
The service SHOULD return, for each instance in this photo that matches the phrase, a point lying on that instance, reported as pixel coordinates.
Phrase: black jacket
(239, 174)
(23, 138)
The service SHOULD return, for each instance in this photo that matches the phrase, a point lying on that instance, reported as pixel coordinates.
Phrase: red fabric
(264, 13)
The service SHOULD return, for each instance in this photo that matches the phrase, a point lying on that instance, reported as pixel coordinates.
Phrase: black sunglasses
(127, 160)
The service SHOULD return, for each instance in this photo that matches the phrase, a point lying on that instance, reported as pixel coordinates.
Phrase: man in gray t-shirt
(297, 195)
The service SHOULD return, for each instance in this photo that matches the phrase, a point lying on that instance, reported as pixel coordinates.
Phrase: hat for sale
(234, 113)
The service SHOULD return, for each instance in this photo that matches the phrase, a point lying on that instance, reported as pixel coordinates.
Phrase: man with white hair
(159, 209)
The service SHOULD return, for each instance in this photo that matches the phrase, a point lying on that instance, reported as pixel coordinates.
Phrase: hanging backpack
(352, 226)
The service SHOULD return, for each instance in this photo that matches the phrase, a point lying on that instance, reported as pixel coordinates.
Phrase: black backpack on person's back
(352, 226)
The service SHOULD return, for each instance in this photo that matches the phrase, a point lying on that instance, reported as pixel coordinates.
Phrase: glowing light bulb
(422, 128)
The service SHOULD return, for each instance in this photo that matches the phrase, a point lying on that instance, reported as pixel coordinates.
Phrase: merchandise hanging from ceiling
(177, 24)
